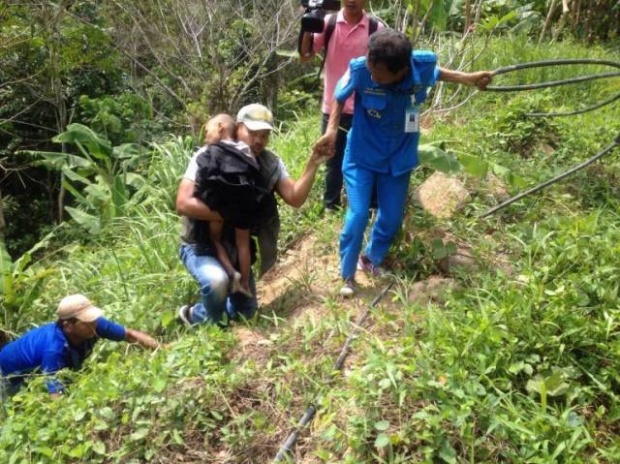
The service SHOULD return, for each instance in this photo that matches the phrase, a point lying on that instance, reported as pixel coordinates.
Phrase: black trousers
(332, 198)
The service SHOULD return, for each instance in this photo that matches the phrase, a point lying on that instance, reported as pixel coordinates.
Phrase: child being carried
(228, 181)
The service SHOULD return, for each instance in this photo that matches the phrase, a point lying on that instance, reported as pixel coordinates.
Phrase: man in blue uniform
(389, 83)
(64, 343)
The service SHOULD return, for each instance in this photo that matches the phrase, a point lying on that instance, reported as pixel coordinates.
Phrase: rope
(543, 85)
(584, 110)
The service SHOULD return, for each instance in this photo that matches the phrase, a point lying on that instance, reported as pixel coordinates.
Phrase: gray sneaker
(348, 289)
(364, 264)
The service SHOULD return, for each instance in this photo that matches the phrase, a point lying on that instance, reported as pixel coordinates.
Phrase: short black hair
(390, 48)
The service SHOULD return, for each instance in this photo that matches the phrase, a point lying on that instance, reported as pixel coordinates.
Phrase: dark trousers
(333, 167)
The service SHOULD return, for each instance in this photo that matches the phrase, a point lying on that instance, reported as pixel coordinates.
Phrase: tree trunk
(547, 23)
(2, 221)
(468, 23)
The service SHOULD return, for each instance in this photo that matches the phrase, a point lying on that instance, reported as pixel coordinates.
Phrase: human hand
(324, 148)
(481, 79)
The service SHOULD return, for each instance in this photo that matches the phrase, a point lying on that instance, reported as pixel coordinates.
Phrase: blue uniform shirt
(48, 349)
(377, 140)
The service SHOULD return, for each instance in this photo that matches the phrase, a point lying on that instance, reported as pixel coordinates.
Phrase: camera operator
(346, 33)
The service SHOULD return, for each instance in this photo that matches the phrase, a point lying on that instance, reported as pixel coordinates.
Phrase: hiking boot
(348, 289)
(364, 264)
(185, 315)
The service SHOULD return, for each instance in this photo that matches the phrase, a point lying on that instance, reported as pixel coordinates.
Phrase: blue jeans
(391, 198)
(215, 299)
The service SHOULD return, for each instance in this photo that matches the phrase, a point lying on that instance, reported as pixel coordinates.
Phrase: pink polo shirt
(347, 41)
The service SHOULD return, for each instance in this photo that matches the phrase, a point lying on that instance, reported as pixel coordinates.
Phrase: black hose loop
(581, 111)
(547, 63)
(544, 85)
(600, 154)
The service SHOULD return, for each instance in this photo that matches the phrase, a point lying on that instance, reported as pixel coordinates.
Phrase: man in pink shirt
(348, 40)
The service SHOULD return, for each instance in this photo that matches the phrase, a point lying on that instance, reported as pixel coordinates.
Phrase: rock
(430, 290)
(456, 263)
(441, 195)
(495, 188)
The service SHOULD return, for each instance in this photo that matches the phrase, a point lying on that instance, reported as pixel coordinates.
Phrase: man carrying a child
(198, 252)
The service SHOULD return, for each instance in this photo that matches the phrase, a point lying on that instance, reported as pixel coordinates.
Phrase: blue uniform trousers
(391, 199)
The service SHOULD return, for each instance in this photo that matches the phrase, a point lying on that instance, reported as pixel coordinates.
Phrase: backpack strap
(373, 25)
(329, 30)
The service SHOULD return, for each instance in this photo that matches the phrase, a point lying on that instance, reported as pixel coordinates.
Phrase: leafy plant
(97, 178)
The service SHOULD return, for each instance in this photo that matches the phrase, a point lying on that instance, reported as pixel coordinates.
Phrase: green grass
(518, 363)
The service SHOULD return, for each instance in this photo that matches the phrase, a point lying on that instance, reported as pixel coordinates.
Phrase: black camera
(312, 19)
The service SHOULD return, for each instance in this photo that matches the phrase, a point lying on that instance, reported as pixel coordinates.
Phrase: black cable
(539, 64)
(581, 111)
(547, 63)
(309, 414)
(599, 155)
(544, 85)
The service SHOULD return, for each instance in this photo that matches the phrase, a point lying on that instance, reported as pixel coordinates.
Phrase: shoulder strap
(329, 30)
(331, 25)
(373, 24)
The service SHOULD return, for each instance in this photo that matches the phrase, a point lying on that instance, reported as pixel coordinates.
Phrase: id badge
(412, 119)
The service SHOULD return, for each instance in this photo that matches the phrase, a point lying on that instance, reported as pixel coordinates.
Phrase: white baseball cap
(78, 307)
(256, 117)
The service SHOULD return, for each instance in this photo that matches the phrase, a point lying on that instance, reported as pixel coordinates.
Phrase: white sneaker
(348, 289)
(185, 314)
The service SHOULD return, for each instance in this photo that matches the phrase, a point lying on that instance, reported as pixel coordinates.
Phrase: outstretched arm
(327, 142)
(296, 192)
(142, 339)
(478, 79)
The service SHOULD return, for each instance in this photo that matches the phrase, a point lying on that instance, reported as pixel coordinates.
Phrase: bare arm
(192, 207)
(306, 48)
(478, 79)
(296, 192)
(142, 339)
(326, 143)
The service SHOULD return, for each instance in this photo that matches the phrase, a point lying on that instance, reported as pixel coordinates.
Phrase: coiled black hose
(539, 64)
(543, 85)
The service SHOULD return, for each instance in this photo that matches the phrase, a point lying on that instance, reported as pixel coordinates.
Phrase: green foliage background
(518, 363)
